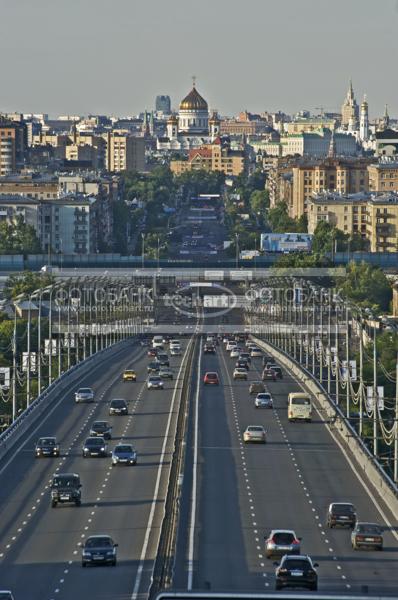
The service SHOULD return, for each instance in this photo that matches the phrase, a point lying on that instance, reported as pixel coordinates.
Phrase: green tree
(367, 286)
(26, 283)
(18, 238)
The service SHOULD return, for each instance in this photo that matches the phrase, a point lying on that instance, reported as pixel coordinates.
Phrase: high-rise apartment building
(163, 104)
(124, 152)
(12, 146)
(383, 176)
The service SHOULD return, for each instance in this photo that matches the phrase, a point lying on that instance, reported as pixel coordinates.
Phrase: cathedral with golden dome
(192, 127)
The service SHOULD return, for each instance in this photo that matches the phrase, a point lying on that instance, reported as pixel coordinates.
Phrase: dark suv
(66, 487)
(341, 513)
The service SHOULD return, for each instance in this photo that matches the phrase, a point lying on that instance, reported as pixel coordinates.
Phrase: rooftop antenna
(194, 80)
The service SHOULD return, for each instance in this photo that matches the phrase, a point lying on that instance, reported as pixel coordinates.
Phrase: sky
(114, 56)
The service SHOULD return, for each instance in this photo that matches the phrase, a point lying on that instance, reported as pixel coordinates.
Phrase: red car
(152, 352)
(211, 378)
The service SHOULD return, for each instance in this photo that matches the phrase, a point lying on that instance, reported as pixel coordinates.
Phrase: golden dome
(194, 101)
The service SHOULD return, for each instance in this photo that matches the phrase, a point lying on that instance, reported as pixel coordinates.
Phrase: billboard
(286, 242)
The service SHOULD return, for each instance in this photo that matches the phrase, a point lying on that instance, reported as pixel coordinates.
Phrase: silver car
(263, 400)
(166, 373)
(240, 373)
(154, 382)
(254, 433)
(281, 542)
(84, 395)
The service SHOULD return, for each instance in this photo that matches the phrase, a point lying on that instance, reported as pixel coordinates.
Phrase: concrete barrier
(30, 415)
(365, 463)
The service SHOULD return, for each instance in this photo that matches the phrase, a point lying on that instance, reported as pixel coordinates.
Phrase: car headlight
(54, 493)
(102, 449)
(86, 553)
(85, 449)
(109, 553)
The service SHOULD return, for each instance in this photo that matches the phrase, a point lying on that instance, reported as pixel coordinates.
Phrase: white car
(231, 344)
(256, 353)
(175, 351)
(234, 353)
(254, 433)
(240, 373)
(84, 395)
(154, 382)
(263, 400)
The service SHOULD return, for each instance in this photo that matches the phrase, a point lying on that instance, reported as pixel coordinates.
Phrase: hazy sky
(114, 56)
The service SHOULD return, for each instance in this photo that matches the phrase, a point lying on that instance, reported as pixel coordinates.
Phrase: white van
(299, 407)
(157, 341)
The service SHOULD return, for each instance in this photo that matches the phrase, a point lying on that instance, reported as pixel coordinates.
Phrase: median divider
(31, 414)
(357, 453)
(165, 558)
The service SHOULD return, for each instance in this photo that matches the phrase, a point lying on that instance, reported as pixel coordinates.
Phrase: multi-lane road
(40, 557)
(241, 492)
(232, 494)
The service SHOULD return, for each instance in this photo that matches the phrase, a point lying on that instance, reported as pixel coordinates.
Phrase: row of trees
(18, 238)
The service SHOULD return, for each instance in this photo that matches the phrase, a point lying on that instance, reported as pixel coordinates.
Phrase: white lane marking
(194, 474)
(157, 485)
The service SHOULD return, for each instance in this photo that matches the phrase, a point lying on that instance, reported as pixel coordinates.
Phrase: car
(118, 406)
(129, 375)
(281, 542)
(277, 370)
(211, 378)
(66, 488)
(230, 344)
(239, 373)
(245, 356)
(94, 446)
(234, 352)
(268, 375)
(154, 382)
(166, 373)
(99, 549)
(367, 535)
(84, 395)
(209, 349)
(124, 454)
(264, 400)
(296, 571)
(175, 351)
(242, 364)
(175, 343)
(267, 359)
(153, 352)
(46, 446)
(163, 360)
(341, 513)
(101, 429)
(254, 433)
(256, 387)
(6, 595)
(256, 353)
(153, 366)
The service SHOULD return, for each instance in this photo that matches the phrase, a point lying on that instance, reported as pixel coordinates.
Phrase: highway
(40, 557)
(234, 494)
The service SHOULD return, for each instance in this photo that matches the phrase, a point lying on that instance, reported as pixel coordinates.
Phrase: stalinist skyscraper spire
(350, 110)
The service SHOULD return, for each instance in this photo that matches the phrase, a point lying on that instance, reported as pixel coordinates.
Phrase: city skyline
(85, 62)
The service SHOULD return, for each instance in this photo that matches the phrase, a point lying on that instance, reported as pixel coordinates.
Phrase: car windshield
(118, 403)
(99, 542)
(47, 442)
(64, 482)
(129, 372)
(342, 509)
(296, 563)
(255, 428)
(100, 425)
(301, 401)
(154, 379)
(368, 528)
(94, 442)
(5, 596)
(123, 449)
(85, 391)
(264, 396)
(283, 537)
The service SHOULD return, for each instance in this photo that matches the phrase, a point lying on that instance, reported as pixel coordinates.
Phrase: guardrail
(165, 558)
(26, 419)
(365, 462)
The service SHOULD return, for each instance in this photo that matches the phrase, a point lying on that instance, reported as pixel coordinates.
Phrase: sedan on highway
(154, 382)
(129, 375)
(264, 400)
(101, 429)
(84, 395)
(152, 352)
(254, 433)
(240, 373)
(296, 571)
(118, 406)
(234, 353)
(175, 350)
(99, 549)
(47, 446)
(367, 535)
(94, 446)
(6, 595)
(166, 373)
(209, 349)
(268, 375)
(163, 360)
(256, 387)
(256, 353)
(211, 378)
(242, 364)
(281, 542)
(341, 513)
(245, 356)
(124, 454)
(153, 367)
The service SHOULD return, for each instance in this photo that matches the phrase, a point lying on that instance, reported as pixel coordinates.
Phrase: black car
(245, 356)
(66, 488)
(153, 366)
(101, 429)
(296, 571)
(46, 446)
(242, 364)
(267, 359)
(209, 349)
(99, 549)
(341, 513)
(163, 360)
(118, 406)
(94, 446)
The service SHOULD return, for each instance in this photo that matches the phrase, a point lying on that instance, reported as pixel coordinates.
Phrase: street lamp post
(143, 250)
(237, 250)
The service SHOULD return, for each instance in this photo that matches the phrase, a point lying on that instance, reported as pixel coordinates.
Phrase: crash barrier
(26, 419)
(365, 463)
